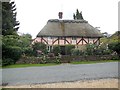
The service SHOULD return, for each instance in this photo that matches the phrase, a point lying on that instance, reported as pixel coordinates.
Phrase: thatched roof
(82, 28)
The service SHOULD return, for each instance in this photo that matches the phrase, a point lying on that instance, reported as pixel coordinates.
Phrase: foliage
(14, 46)
(76, 52)
(56, 50)
(38, 46)
(7, 61)
(78, 15)
(15, 40)
(9, 23)
(28, 51)
(11, 40)
(57, 60)
(11, 53)
(25, 40)
(0, 49)
(112, 39)
(92, 49)
(115, 47)
(68, 49)
(27, 36)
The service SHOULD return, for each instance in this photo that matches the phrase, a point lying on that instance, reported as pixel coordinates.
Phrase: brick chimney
(60, 14)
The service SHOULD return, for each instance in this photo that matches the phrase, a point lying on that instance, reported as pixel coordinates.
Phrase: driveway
(59, 73)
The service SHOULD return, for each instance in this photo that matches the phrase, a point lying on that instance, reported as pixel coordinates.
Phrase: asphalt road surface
(59, 73)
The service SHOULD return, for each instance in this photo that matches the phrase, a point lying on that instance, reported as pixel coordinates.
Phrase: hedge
(11, 54)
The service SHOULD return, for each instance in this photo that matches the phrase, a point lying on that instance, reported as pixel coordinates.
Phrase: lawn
(92, 62)
(52, 64)
(28, 65)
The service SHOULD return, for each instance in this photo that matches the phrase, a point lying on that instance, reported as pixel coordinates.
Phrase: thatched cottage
(64, 32)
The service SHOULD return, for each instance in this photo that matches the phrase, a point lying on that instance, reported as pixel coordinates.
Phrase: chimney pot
(60, 15)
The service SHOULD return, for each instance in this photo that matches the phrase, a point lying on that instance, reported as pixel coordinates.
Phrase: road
(59, 73)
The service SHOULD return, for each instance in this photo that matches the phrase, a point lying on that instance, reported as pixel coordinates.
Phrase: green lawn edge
(53, 64)
(28, 65)
(93, 62)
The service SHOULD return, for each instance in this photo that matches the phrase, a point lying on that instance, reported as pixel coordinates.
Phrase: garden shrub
(56, 50)
(50, 55)
(38, 46)
(68, 49)
(115, 57)
(12, 52)
(28, 51)
(92, 49)
(57, 60)
(77, 52)
(115, 47)
(7, 61)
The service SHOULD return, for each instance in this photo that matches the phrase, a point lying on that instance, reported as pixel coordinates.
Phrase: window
(61, 37)
(73, 38)
(49, 38)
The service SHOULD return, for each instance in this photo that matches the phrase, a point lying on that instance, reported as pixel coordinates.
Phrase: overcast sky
(34, 14)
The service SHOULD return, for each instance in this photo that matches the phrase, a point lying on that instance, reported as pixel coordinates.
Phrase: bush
(68, 49)
(13, 53)
(115, 47)
(57, 60)
(7, 61)
(90, 49)
(51, 55)
(28, 51)
(38, 46)
(56, 50)
(75, 51)
(115, 57)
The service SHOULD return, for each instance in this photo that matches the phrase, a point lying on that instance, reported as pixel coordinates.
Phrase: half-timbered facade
(64, 32)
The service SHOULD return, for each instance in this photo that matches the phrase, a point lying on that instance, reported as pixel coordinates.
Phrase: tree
(39, 47)
(25, 40)
(68, 49)
(13, 46)
(74, 16)
(56, 50)
(115, 46)
(9, 22)
(11, 51)
(27, 36)
(78, 15)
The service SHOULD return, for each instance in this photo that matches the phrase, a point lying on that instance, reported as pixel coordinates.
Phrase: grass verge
(92, 62)
(28, 65)
(52, 64)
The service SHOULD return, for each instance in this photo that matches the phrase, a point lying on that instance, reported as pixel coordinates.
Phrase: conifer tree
(74, 16)
(78, 15)
(9, 24)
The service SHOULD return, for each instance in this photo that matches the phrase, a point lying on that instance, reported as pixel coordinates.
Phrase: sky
(34, 14)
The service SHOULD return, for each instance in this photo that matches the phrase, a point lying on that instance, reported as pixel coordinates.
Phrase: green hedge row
(10, 54)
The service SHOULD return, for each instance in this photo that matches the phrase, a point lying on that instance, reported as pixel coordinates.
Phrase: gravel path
(59, 73)
(101, 83)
